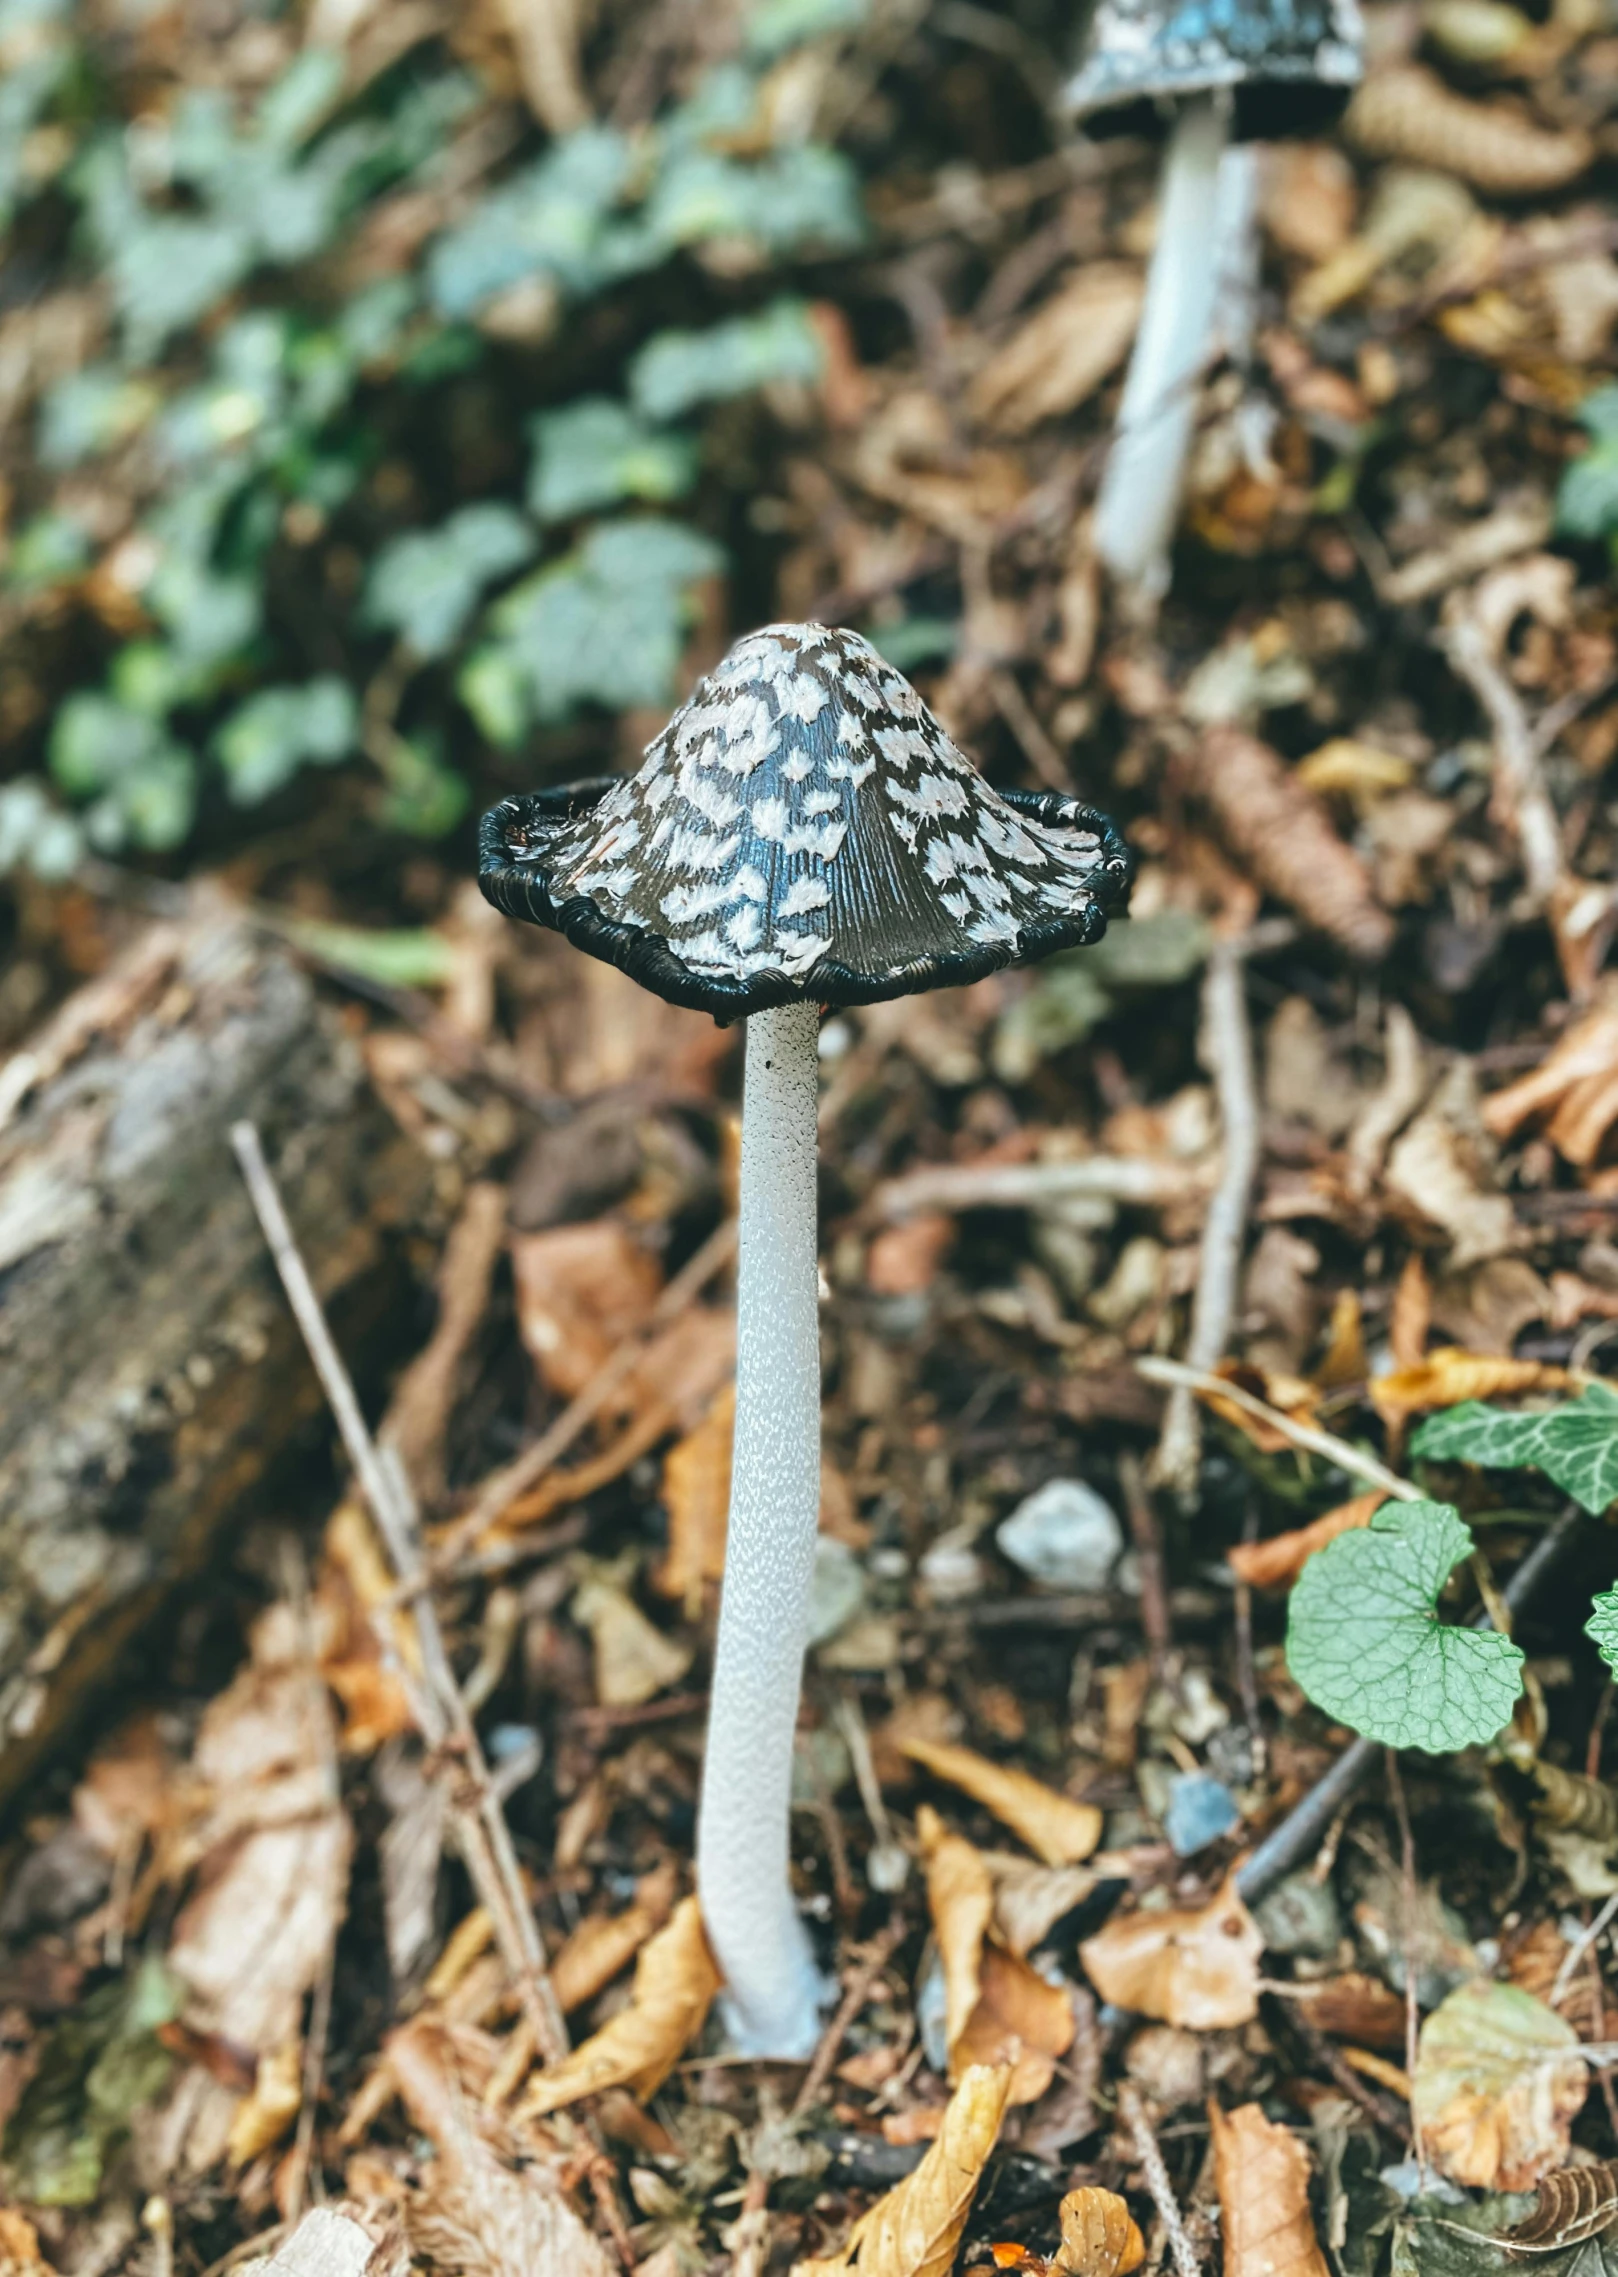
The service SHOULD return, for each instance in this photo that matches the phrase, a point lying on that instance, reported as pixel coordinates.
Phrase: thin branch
(440, 1711)
(1227, 1050)
(877, 1955)
(1156, 2177)
(1407, 1934)
(1314, 1441)
(1520, 793)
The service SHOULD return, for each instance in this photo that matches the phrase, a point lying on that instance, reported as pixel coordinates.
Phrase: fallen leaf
(336, 2241)
(1277, 1563)
(1498, 2084)
(1575, 2203)
(354, 1590)
(1448, 1376)
(1197, 1967)
(1262, 2172)
(1062, 353)
(960, 1898)
(604, 1943)
(1057, 1830)
(1439, 1171)
(272, 2106)
(903, 1260)
(634, 1661)
(915, 2230)
(475, 2214)
(1407, 113)
(581, 1289)
(1029, 1900)
(19, 2246)
(675, 1982)
(1355, 2007)
(1412, 1313)
(696, 1494)
(1570, 1084)
(1360, 772)
(1099, 2236)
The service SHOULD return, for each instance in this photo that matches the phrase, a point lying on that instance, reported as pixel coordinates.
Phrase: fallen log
(150, 1374)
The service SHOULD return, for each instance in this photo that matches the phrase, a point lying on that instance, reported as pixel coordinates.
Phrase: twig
(503, 1486)
(1306, 1825)
(1407, 1934)
(1306, 1435)
(878, 1954)
(1520, 794)
(1227, 1050)
(1154, 1605)
(440, 1711)
(1156, 2177)
(1030, 731)
(1040, 1185)
(1577, 1950)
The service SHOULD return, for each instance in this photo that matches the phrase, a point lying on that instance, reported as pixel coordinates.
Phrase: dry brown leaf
(581, 1289)
(1018, 2019)
(337, 2241)
(1498, 2084)
(1569, 1085)
(1344, 768)
(1029, 1900)
(675, 1982)
(19, 2247)
(1197, 1967)
(634, 1661)
(1056, 1829)
(1448, 1376)
(696, 1494)
(1277, 1563)
(272, 2106)
(475, 2214)
(1294, 1396)
(1356, 2007)
(903, 1260)
(356, 1588)
(1099, 2236)
(1575, 2203)
(1437, 1170)
(1283, 835)
(960, 1898)
(1412, 1313)
(914, 2231)
(1063, 352)
(1408, 113)
(1263, 2176)
(604, 1943)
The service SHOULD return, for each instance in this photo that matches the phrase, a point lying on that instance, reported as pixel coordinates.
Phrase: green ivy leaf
(773, 26)
(264, 743)
(145, 780)
(1587, 502)
(35, 834)
(426, 586)
(101, 2064)
(596, 452)
(1365, 1642)
(604, 625)
(676, 370)
(1575, 1445)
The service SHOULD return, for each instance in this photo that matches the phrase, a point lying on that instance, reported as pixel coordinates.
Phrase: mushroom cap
(1291, 64)
(804, 831)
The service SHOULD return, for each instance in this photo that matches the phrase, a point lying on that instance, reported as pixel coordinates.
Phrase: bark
(150, 1373)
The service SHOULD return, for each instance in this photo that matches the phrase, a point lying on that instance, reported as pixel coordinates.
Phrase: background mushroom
(1250, 68)
(803, 833)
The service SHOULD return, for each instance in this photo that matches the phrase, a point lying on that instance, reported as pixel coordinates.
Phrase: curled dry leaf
(1408, 113)
(1575, 1084)
(1277, 1563)
(1029, 1900)
(1196, 1967)
(1573, 2204)
(1063, 352)
(1354, 2007)
(634, 1661)
(1263, 2176)
(581, 1289)
(1448, 1376)
(475, 2214)
(1283, 835)
(604, 1943)
(914, 2231)
(997, 2008)
(675, 1982)
(1057, 1830)
(1099, 2236)
(1498, 2084)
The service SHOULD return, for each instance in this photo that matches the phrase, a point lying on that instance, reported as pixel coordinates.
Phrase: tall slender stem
(773, 1991)
(1140, 491)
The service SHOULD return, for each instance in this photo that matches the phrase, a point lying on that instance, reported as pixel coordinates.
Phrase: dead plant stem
(1156, 2177)
(1407, 1935)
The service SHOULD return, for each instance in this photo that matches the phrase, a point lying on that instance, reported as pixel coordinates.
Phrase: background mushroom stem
(1140, 490)
(773, 1990)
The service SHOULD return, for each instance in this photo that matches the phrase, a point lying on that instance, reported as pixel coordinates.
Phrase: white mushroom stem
(773, 1991)
(1140, 491)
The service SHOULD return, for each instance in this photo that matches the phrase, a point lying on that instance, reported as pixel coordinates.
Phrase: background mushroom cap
(803, 830)
(1290, 64)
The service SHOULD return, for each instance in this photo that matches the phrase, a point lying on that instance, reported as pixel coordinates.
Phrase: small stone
(950, 1570)
(838, 1590)
(1064, 1536)
(1200, 1810)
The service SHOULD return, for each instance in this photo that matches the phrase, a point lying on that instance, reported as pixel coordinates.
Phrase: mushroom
(802, 834)
(1247, 68)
